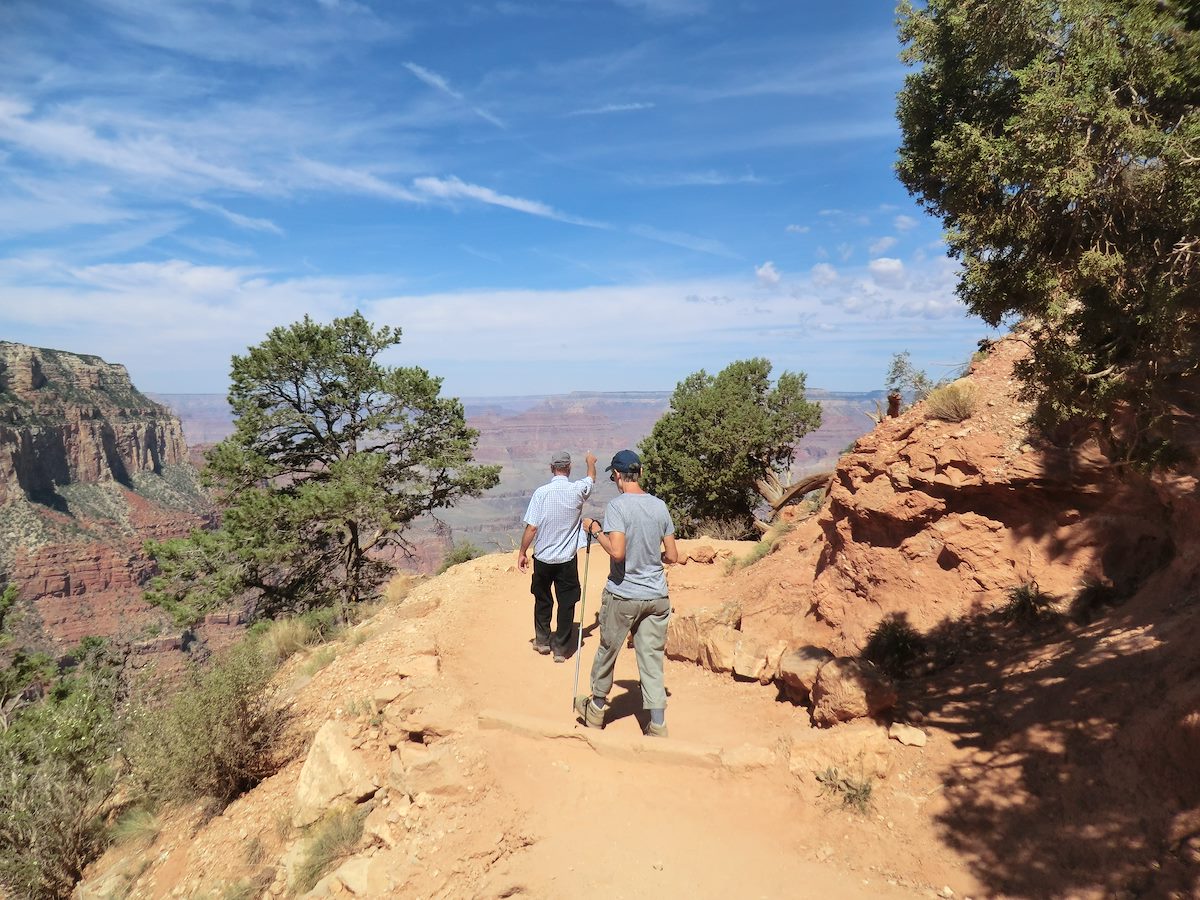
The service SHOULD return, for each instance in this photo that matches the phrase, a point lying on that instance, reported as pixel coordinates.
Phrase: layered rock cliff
(90, 468)
(67, 419)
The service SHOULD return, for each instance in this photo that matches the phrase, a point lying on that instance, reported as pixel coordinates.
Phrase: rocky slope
(90, 468)
(1054, 758)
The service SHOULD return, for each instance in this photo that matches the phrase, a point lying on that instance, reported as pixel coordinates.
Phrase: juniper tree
(1059, 141)
(333, 456)
(721, 435)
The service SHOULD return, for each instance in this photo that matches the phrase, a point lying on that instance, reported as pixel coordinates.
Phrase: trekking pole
(587, 558)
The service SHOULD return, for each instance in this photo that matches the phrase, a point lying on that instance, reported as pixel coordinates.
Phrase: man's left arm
(670, 554)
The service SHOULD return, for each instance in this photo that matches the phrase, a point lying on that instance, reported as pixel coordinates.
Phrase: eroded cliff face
(934, 520)
(90, 469)
(69, 419)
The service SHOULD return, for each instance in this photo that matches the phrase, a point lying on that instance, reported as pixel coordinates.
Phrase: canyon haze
(519, 433)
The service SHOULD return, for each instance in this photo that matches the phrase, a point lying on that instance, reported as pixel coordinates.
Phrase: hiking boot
(543, 649)
(560, 656)
(653, 730)
(589, 712)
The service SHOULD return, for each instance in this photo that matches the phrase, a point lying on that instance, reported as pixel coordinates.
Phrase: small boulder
(749, 659)
(798, 671)
(848, 689)
(333, 770)
(704, 554)
(907, 735)
(859, 750)
(719, 647)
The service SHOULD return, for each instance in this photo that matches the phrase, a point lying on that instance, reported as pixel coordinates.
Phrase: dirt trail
(635, 816)
(490, 789)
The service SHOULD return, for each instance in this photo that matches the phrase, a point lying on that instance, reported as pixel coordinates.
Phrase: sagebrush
(216, 737)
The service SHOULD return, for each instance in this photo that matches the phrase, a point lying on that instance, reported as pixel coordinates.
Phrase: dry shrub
(721, 529)
(400, 587)
(954, 402)
(216, 737)
(284, 638)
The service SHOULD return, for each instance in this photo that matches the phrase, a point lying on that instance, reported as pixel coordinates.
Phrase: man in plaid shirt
(553, 518)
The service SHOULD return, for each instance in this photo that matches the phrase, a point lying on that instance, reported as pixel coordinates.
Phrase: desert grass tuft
(333, 839)
(954, 402)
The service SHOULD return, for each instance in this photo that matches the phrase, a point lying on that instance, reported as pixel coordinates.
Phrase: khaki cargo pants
(647, 619)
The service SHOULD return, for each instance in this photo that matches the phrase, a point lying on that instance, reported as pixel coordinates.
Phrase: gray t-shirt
(644, 521)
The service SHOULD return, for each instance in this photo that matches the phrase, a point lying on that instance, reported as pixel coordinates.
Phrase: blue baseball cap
(625, 461)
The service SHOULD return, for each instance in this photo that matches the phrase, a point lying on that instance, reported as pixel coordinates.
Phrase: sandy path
(607, 826)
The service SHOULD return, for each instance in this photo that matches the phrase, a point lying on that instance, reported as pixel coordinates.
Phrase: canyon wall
(67, 418)
(90, 469)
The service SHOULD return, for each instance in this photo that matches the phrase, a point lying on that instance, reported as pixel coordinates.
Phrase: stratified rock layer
(67, 419)
(90, 468)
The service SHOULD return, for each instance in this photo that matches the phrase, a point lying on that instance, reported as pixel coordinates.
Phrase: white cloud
(823, 274)
(146, 156)
(355, 180)
(768, 275)
(248, 222)
(610, 108)
(904, 223)
(439, 83)
(667, 9)
(798, 229)
(879, 245)
(886, 270)
(453, 188)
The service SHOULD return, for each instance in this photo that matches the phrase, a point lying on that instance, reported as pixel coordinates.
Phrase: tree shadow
(1071, 777)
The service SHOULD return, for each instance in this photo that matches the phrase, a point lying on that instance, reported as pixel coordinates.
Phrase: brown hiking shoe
(653, 730)
(589, 713)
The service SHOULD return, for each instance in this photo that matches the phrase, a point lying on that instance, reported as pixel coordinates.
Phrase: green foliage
(1058, 142)
(894, 646)
(1027, 604)
(462, 552)
(333, 455)
(721, 435)
(57, 785)
(21, 680)
(954, 402)
(904, 378)
(216, 735)
(333, 838)
(8, 597)
(855, 792)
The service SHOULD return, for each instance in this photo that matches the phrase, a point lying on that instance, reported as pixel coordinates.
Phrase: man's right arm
(526, 540)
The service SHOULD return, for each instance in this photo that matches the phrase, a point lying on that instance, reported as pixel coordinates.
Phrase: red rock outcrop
(82, 453)
(67, 418)
(933, 519)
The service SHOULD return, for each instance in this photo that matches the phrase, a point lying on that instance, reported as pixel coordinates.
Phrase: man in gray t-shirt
(639, 537)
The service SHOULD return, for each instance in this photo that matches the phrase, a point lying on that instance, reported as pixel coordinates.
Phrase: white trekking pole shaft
(587, 558)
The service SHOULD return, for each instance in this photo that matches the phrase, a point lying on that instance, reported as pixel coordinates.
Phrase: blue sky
(544, 196)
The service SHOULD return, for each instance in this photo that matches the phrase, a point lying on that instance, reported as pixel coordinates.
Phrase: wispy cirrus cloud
(439, 83)
(709, 178)
(453, 188)
(250, 223)
(683, 239)
(146, 156)
(608, 108)
(355, 180)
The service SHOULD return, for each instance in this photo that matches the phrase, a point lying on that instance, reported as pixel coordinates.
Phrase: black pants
(564, 578)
